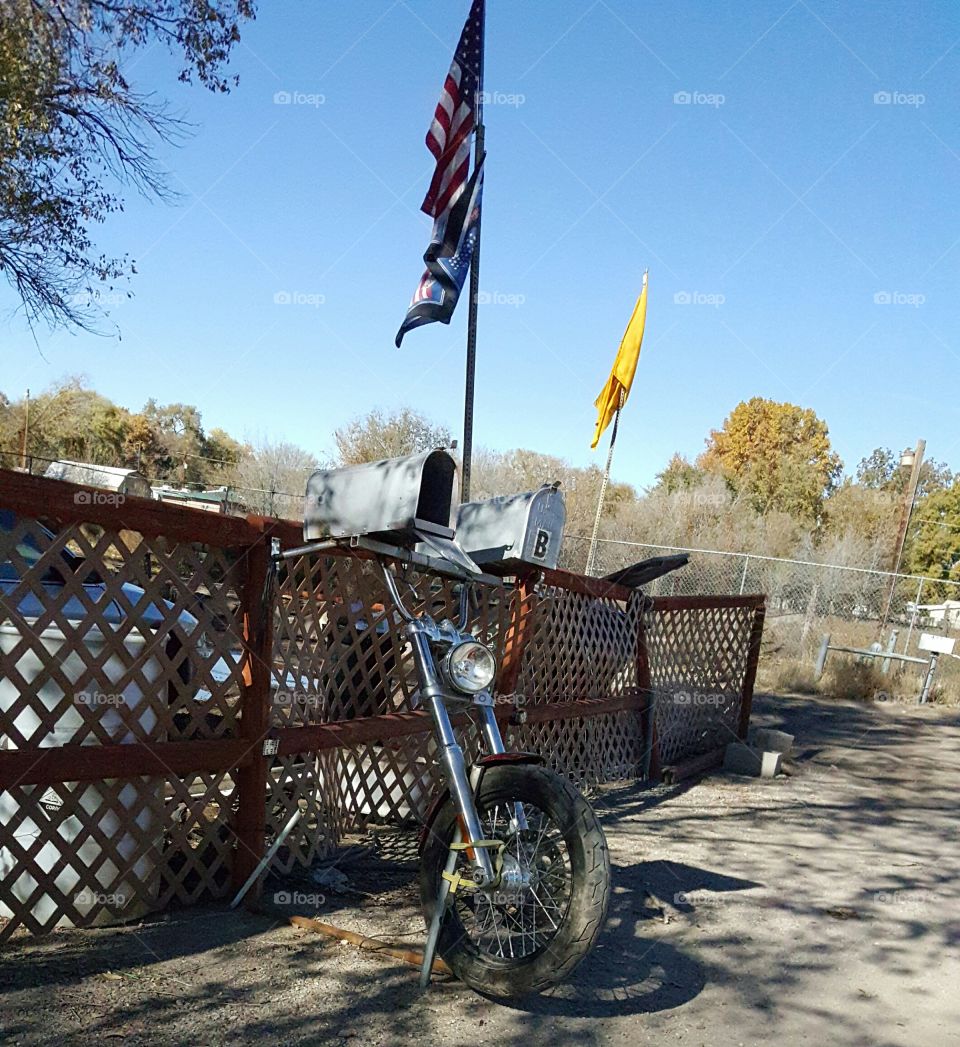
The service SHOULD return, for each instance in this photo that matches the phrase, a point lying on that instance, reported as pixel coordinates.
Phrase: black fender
(442, 797)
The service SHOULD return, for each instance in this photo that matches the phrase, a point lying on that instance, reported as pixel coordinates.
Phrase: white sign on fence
(936, 644)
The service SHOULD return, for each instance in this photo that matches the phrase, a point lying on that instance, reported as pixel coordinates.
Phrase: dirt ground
(821, 908)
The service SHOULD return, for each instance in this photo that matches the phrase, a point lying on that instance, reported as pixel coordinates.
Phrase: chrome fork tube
(494, 740)
(491, 730)
(451, 754)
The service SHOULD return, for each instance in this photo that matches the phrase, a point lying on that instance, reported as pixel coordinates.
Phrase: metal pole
(913, 617)
(906, 511)
(743, 577)
(928, 682)
(266, 859)
(478, 152)
(822, 656)
(592, 552)
(891, 648)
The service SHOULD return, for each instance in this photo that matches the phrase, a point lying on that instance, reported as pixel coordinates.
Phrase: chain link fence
(855, 606)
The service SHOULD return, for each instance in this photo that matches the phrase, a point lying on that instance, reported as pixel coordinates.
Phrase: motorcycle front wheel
(527, 933)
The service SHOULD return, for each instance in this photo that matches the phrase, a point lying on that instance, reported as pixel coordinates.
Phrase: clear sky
(789, 173)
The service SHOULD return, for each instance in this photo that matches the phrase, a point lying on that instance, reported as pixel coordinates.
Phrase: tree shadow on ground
(630, 971)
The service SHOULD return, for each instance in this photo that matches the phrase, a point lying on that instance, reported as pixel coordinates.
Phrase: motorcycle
(514, 866)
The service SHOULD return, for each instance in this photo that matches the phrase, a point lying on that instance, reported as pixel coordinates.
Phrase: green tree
(933, 546)
(679, 475)
(73, 127)
(68, 420)
(881, 471)
(779, 454)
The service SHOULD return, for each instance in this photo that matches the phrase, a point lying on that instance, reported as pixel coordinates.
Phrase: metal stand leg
(433, 934)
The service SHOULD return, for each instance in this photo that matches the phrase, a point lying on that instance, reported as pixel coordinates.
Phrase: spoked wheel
(528, 932)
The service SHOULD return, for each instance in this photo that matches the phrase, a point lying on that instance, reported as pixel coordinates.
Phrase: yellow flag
(615, 392)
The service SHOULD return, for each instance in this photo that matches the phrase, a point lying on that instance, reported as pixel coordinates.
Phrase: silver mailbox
(391, 500)
(503, 534)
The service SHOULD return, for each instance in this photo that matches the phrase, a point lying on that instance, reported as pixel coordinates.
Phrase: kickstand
(438, 913)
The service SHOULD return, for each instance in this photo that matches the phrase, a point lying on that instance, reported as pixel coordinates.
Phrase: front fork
(451, 754)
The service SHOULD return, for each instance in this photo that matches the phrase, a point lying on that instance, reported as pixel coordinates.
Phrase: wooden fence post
(750, 676)
(251, 782)
(651, 757)
(518, 635)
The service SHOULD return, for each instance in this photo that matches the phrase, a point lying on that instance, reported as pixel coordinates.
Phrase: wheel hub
(514, 881)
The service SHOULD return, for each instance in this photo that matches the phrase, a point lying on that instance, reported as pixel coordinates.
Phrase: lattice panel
(589, 751)
(88, 853)
(198, 847)
(108, 637)
(579, 647)
(391, 782)
(305, 782)
(690, 723)
(701, 648)
(80, 853)
(698, 662)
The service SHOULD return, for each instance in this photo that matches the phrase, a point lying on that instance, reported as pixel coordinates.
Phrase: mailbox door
(544, 532)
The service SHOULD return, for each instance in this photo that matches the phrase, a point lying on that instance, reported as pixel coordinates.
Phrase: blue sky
(789, 173)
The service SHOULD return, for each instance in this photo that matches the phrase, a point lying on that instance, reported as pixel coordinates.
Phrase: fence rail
(148, 651)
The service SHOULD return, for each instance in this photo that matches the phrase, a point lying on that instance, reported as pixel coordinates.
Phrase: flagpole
(478, 152)
(591, 555)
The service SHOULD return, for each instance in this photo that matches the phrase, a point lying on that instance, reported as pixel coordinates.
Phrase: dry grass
(857, 681)
(790, 676)
(788, 657)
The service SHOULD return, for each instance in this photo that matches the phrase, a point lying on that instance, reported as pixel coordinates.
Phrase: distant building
(107, 477)
(212, 500)
(946, 614)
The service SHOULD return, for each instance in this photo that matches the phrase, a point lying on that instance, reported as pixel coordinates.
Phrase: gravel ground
(821, 907)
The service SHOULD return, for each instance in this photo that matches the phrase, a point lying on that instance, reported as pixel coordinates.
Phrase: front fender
(442, 797)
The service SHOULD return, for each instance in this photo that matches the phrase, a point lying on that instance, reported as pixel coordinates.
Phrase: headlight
(470, 667)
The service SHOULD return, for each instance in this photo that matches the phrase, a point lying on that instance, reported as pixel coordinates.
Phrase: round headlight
(470, 667)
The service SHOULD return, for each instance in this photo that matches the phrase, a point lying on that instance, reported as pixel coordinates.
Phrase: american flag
(456, 116)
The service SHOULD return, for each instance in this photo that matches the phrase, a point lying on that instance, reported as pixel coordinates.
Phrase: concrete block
(741, 759)
(770, 765)
(767, 740)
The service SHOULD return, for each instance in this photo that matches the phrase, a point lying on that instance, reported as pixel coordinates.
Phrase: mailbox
(397, 499)
(504, 534)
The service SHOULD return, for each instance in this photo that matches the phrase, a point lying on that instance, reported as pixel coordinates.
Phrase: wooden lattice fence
(148, 651)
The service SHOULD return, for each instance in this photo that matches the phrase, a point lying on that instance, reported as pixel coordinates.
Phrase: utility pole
(26, 429)
(912, 460)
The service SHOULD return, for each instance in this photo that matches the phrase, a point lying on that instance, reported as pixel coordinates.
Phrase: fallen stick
(410, 956)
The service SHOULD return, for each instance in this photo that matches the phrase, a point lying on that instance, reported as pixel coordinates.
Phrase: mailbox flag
(448, 260)
(615, 392)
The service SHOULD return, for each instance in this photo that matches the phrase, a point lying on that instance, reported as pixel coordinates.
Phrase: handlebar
(391, 581)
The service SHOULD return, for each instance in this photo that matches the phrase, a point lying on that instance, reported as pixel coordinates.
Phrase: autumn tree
(779, 454)
(74, 131)
(377, 435)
